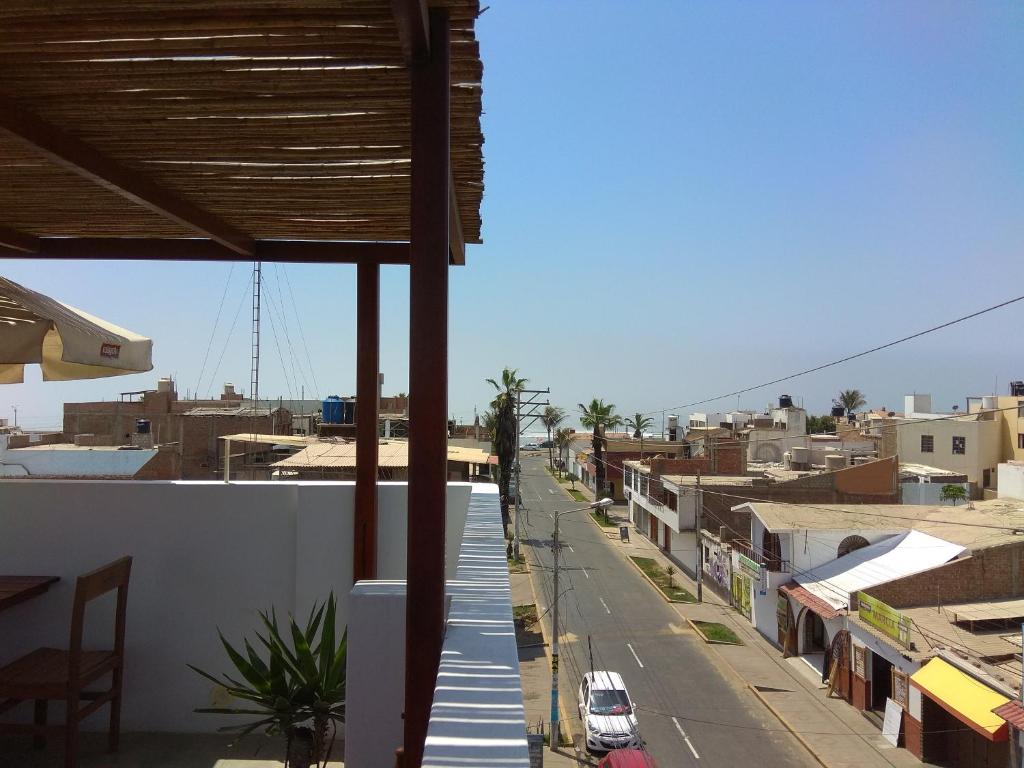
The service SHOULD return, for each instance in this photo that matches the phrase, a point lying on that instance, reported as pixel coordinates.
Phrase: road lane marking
(585, 572)
(551, 491)
(632, 651)
(571, 549)
(609, 612)
(686, 739)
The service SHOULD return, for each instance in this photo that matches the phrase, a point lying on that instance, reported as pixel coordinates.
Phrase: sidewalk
(835, 733)
(535, 673)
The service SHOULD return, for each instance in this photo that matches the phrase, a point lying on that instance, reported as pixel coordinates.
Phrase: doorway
(814, 633)
(881, 681)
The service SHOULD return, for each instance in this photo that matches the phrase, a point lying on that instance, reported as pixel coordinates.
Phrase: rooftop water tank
(333, 410)
(142, 426)
(785, 401)
(835, 461)
(838, 411)
(801, 456)
(787, 460)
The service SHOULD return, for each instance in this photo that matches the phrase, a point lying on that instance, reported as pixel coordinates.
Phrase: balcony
(209, 555)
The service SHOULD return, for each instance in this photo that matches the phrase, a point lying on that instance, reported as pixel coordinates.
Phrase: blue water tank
(333, 410)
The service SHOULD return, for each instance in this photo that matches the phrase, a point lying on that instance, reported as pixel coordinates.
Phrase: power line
(841, 360)
(231, 330)
(216, 322)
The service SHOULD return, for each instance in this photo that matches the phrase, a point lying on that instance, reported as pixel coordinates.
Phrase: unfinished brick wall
(987, 574)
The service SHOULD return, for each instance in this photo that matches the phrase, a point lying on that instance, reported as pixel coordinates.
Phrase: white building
(967, 444)
(920, 484)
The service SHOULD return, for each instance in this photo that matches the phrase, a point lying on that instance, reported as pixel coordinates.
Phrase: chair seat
(43, 673)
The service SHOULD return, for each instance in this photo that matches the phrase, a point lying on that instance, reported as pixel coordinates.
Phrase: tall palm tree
(505, 433)
(851, 400)
(551, 418)
(638, 423)
(599, 416)
(562, 439)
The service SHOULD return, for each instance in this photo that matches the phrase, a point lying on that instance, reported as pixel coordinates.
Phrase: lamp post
(601, 504)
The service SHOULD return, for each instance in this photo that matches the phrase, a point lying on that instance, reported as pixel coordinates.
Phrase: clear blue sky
(682, 199)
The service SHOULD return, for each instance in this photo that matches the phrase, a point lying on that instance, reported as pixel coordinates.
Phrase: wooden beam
(183, 249)
(413, 24)
(456, 242)
(428, 384)
(85, 160)
(18, 241)
(364, 547)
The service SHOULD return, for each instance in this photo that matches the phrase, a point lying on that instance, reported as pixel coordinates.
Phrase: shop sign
(884, 618)
(751, 567)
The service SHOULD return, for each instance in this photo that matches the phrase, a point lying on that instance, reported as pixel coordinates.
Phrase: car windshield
(610, 703)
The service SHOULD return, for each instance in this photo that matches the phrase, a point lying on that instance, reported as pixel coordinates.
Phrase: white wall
(1011, 481)
(207, 555)
(929, 494)
(71, 462)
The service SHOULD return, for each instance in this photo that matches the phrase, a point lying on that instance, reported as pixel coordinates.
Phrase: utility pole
(700, 544)
(554, 737)
(602, 504)
(532, 415)
(254, 370)
(15, 415)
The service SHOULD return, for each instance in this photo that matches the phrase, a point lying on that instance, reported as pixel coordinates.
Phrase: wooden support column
(367, 407)
(428, 383)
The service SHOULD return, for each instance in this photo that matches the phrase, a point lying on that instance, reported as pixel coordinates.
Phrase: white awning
(893, 558)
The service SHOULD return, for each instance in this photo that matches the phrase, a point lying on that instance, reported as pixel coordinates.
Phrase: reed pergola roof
(235, 121)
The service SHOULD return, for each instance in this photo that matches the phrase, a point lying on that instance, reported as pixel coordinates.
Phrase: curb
(707, 639)
(547, 655)
(657, 589)
(790, 728)
(604, 529)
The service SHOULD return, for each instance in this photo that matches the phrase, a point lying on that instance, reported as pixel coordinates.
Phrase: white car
(607, 712)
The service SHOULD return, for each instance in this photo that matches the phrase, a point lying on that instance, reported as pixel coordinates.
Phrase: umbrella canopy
(68, 343)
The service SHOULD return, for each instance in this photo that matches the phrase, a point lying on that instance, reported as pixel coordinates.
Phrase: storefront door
(741, 594)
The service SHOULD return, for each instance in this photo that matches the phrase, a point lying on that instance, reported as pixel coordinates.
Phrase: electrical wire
(213, 332)
(841, 360)
(302, 333)
(231, 330)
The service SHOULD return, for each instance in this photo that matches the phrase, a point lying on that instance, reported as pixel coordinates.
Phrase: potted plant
(297, 689)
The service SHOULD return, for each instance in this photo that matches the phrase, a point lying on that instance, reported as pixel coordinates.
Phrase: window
(986, 478)
(1020, 409)
(927, 443)
(670, 499)
(850, 544)
(1020, 440)
(959, 445)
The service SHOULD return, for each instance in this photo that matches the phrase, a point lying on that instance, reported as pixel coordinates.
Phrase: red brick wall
(988, 573)
(913, 736)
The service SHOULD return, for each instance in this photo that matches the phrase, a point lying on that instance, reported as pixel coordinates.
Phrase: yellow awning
(967, 699)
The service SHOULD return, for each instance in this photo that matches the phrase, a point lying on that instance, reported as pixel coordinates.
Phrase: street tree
(551, 418)
(599, 416)
(505, 433)
(638, 423)
(562, 439)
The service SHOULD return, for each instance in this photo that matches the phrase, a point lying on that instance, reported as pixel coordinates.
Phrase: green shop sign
(751, 567)
(884, 618)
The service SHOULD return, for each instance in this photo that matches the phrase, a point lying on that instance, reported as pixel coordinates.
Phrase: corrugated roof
(245, 411)
(969, 700)
(811, 600)
(390, 454)
(1012, 712)
(891, 558)
(988, 524)
(254, 437)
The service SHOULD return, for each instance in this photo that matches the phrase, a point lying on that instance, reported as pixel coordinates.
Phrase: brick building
(185, 431)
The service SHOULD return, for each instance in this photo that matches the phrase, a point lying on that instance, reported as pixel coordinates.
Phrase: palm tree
(851, 400)
(551, 418)
(638, 424)
(505, 433)
(563, 437)
(599, 416)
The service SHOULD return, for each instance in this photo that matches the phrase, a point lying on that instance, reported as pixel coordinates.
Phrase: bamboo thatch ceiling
(285, 118)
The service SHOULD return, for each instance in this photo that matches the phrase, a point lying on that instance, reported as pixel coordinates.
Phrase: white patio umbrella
(68, 343)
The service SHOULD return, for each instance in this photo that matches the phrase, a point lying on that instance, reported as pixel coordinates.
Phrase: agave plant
(297, 690)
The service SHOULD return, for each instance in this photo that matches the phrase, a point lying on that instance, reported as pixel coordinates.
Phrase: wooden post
(428, 383)
(364, 548)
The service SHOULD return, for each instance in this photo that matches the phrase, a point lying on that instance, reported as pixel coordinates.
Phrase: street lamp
(600, 504)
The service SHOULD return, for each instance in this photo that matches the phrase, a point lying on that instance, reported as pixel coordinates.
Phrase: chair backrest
(95, 584)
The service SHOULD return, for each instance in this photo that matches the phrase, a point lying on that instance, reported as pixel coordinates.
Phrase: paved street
(687, 705)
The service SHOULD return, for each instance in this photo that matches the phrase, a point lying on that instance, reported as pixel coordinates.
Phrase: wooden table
(18, 589)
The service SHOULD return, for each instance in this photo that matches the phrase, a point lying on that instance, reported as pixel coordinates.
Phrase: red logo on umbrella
(110, 350)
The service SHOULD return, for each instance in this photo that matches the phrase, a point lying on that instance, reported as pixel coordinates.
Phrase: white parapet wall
(207, 555)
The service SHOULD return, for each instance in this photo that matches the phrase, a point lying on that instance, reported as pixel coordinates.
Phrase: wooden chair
(48, 674)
